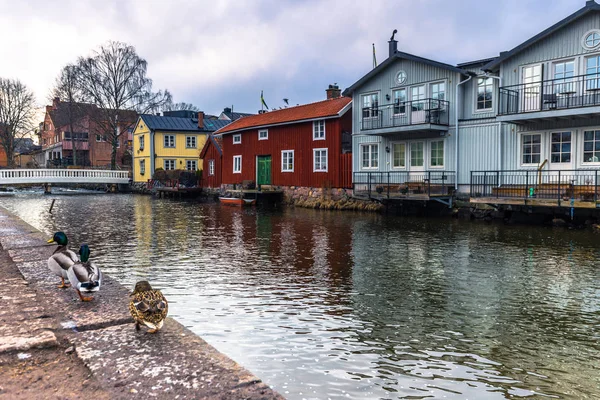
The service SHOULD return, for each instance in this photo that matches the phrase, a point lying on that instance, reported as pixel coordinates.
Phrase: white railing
(18, 176)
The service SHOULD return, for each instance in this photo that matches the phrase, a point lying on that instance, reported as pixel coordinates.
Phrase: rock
(559, 222)
(70, 350)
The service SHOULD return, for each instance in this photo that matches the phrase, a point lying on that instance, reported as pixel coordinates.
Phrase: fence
(404, 184)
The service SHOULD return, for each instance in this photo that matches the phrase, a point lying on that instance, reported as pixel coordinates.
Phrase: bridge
(50, 176)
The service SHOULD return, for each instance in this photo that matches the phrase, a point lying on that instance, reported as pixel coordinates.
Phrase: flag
(262, 100)
(374, 58)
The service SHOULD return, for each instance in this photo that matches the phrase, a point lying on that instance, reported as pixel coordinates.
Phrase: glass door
(532, 84)
(560, 150)
(417, 156)
(417, 96)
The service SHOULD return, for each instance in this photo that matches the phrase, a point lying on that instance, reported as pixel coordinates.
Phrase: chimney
(55, 102)
(393, 43)
(200, 119)
(333, 92)
(227, 110)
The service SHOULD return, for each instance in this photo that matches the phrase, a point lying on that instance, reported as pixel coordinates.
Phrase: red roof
(320, 109)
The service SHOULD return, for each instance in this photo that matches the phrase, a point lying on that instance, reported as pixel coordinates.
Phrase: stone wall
(326, 198)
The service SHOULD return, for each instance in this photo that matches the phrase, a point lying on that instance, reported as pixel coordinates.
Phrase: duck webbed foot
(63, 285)
(83, 298)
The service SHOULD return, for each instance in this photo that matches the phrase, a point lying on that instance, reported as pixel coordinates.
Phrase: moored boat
(236, 201)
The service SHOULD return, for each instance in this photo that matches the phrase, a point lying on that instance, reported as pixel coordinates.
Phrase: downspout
(499, 79)
(151, 153)
(456, 130)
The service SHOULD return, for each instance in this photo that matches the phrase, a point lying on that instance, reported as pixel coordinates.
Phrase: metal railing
(555, 94)
(416, 112)
(562, 185)
(403, 184)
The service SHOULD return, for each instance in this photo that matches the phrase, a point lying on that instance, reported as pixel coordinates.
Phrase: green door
(264, 170)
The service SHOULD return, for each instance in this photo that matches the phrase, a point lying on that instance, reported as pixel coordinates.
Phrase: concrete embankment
(40, 321)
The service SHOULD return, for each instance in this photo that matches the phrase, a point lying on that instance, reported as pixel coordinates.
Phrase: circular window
(400, 77)
(591, 40)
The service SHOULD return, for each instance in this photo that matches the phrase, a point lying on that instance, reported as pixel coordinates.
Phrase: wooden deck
(535, 202)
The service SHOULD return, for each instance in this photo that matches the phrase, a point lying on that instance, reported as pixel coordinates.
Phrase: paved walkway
(54, 346)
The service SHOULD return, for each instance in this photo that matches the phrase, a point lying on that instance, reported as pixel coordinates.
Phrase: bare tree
(180, 106)
(17, 113)
(114, 79)
(67, 89)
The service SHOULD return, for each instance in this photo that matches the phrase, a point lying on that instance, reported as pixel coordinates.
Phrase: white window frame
(582, 147)
(483, 110)
(520, 144)
(169, 160)
(142, 142)
(193, 139)
(237, 170)
(595, 77)
(443, 154)
(401, 104)
(584, 41)
(237, 138)
(142, 167)
(284, 164)
(266, 134)
(315, 160)
(167, 141)
(362, 108)
(211, 167)
(317, 133)
(560, 153)
(371, 159)
(392, 144)
(187, 168)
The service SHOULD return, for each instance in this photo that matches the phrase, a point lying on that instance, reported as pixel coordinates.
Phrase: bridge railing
(62, 175)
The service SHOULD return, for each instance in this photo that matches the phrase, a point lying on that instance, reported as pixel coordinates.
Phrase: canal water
(330, 305)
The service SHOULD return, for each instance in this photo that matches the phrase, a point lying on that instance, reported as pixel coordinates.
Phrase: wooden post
(47, 188)
(51, 206)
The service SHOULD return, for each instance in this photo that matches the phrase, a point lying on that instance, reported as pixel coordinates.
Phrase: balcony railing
(563, 185)
(416, 112)
(404, 184)
(556, 94)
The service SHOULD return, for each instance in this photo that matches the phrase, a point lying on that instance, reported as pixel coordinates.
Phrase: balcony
(577, 96)
(544, 188)
(416, 115)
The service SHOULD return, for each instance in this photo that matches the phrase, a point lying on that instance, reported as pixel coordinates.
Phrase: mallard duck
(62, 258)
(148, 307)
(84, 276)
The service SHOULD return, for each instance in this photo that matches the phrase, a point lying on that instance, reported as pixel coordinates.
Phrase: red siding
(211, 181)
(297, 137)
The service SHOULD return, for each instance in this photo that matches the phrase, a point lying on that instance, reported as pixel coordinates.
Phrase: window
(190, 142)
(417, 93)
(320, 160)
(416, 154)
(437, 154)
(399, 155)
(400, 101)
(169, 165)
(237, 139)
(169, 141)
(370, 156)
(319, 130)
(142, 142)
(287, 161)
(142, 167)
(438, 91)
(118, 143)
(593, 71)
(531, 146)
(237, 164)
(191, 165)
(100, 138)
(485, 87)
(263, 134)
(591, 146)
(591, 40)
(560, 149)
(370, 105)
(563, 71)
(211, 167)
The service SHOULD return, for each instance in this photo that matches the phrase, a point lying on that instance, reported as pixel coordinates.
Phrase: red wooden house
(212, 158)
(302, 146)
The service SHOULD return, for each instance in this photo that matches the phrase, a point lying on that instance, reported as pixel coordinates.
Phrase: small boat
(236, 201)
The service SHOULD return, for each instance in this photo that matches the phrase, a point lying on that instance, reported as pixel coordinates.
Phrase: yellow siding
(141, 130)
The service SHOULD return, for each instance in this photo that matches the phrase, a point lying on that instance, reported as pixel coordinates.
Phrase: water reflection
(329, 305)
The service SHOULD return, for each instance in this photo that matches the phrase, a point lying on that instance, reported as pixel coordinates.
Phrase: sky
(222, 53)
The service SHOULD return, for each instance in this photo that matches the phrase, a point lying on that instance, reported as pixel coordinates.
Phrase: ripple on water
(328, 305)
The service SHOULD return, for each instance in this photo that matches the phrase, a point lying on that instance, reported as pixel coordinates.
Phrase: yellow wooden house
(171, 141)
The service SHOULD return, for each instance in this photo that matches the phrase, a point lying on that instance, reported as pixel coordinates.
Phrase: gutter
(456, 128)
(499, 79)
(151, 153)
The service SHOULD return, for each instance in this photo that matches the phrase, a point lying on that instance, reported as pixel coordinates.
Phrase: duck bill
(51, 241)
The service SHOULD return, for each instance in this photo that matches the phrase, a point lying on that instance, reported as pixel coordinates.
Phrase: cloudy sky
(224, 52)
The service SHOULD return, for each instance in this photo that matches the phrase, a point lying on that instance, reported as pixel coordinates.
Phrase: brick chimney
(333, 91)
(200, 119)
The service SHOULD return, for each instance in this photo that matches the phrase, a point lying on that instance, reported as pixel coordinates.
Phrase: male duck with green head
(84, 276)
(61, 260)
